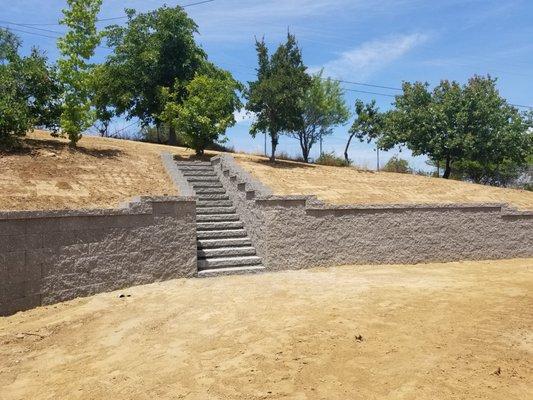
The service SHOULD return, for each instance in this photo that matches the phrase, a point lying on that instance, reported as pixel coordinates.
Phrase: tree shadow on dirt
(282, 164)
(32, 147)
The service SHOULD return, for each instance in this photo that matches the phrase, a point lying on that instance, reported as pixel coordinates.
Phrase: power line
(112, 18)
(31, 33)
(368, 84)
(29, 27)
(367, 92)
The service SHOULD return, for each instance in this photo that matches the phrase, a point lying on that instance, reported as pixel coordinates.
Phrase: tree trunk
(274, 138)
(346, 149)
(304, 145)
(172, 138)
(448, 168)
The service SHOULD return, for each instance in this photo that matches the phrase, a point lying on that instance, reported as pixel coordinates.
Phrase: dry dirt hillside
(352, 186)
(105, 172)
(99, 173)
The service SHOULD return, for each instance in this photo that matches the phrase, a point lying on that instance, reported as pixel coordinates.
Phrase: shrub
(333, 160)
(397, 164)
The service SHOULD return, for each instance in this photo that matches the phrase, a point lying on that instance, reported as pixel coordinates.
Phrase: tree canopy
(152, 52)
(207, 111)
(323, 107)
(368, 125)
(30, 92)
(458, 124)
(77, 47)
(276, 96)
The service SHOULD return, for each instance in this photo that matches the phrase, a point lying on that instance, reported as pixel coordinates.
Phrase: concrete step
(224, 262)
(219, 225)
(195, 168)
(226, 233)
(188, 163)
(215, 210)
(203, 184)
(220, 190)
(210, 273)
(210, 196)
(201, 172)
(200, 178)
(228, 242)
(217, 217)
(214, 203)
(226, 252)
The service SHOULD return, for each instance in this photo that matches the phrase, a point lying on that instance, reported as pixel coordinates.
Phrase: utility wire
(113, 18)
(367, 92)
(31, 33)
(43, 35)
(368, 84)
(29, 27)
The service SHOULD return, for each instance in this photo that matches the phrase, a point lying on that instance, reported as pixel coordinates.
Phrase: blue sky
(380, 42)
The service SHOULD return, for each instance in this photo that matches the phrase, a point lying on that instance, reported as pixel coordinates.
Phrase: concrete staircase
(223, 244)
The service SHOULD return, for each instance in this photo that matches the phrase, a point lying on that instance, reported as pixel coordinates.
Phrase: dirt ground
(352, 186)
(104, 172)
(436, 331)
(99, 173)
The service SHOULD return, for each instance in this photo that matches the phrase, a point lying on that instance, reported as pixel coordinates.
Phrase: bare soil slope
(352, 186)
(435, 331)
(105, 172)
(99, 173)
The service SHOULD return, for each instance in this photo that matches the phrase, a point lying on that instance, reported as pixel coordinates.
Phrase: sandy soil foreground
(436, 331)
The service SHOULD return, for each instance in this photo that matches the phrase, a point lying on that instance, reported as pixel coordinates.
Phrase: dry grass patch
(434, 331)
(351, 186)
(100, 172)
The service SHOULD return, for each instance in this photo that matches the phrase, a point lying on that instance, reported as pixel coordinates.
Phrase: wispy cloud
(243, 116)
(371, 56)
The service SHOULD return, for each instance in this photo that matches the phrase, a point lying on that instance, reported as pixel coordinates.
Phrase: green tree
(208, 110)
(368, 125)
(155, 54)
(323, 107)
(276, 97)
(77, 47)
(458, 124)
(30, 93)
(102, 86)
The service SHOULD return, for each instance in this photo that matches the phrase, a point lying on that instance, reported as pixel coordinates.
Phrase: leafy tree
(208, 109)
(368, 124)
(397, 164)
(458, 124)
(276, 97)
(153, 53)
(323, 107)
(30, 93)
(101, 94)
(9, 45)
(77, 47)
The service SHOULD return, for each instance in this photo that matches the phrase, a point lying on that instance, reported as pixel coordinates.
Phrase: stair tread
(230, 270)
(215, 243)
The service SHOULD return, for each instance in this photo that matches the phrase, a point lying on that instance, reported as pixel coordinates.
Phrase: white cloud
(371, 56)
(243, 116)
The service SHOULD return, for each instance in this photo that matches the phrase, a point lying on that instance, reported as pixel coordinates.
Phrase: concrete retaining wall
(52, 256)
(300, 231)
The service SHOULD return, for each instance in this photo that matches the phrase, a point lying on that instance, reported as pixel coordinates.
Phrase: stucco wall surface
(52, 256)
(300, 231)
